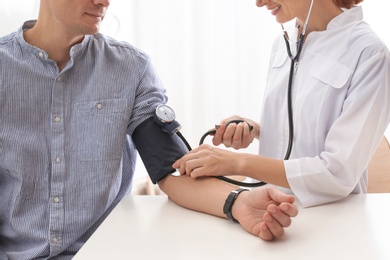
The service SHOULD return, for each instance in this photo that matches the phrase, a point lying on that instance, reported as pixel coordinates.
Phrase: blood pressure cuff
(158, 149)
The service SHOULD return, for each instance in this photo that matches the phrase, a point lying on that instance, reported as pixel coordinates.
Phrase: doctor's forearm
(261, 168)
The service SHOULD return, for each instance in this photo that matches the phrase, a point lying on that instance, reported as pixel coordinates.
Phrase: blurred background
(212, 55)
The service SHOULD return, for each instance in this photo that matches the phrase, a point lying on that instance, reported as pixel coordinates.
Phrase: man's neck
(56, 45)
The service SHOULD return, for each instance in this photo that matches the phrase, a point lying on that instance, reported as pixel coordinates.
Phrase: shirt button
(56, 200)
(41, 54)
(55, 240)
(58, 159)
(59, 79)
(99, 106)
(57, 119)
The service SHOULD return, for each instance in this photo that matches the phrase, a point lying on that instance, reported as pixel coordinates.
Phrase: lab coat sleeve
(351, 141)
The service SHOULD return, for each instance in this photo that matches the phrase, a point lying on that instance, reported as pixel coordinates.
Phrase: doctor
(339, 109)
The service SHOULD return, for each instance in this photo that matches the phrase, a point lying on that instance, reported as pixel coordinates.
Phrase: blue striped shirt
(63, 139)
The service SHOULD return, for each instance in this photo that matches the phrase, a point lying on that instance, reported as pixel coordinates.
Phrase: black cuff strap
(227, 207)
(158, 149)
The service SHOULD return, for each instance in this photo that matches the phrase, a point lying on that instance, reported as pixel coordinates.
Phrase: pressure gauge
(165, 114)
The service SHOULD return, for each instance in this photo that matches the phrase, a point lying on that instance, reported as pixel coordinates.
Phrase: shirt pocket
(101, 129)
(320, 98)
(321, 94)
(330, 72)
(279, 59)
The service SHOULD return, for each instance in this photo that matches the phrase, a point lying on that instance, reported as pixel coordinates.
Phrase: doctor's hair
(346, 3)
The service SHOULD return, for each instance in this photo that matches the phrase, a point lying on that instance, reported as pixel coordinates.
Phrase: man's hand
(265, 211)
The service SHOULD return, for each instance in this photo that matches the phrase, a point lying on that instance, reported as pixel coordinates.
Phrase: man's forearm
(206, 195)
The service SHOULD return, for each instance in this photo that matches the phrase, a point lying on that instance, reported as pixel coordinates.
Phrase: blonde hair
(346, 3)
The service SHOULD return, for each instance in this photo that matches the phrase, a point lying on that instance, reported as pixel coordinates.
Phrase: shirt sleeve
(150, 93)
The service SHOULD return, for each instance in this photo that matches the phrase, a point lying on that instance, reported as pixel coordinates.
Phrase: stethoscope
(166, 115)
(293, 69)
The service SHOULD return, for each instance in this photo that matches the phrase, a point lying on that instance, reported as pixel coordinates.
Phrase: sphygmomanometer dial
(165, 114)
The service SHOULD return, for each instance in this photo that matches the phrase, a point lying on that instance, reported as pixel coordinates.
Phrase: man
(73, 106)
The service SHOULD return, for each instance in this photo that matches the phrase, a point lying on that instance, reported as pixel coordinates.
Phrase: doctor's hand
(234, 135)
(207, 160)
(265, 211)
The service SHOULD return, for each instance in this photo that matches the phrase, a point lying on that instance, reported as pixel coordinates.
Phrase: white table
(153, 227)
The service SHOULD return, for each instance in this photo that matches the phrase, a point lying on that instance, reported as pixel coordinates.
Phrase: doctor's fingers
(242, 138)
(237, 139)
(232, 135)
(188, 156)
(188, 163)
(221, 135)
(218, 136)
(237, 136)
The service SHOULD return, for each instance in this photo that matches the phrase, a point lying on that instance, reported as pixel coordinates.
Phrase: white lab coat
(341, 109)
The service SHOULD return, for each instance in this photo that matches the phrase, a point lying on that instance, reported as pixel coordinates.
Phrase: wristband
(227, 207)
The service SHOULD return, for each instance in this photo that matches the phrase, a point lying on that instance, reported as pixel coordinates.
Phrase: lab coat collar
(348, 16)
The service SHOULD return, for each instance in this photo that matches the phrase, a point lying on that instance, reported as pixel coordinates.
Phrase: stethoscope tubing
(293, 69)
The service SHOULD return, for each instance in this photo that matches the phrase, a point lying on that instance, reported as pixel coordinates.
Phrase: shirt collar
(348, 16)
(30, 24)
